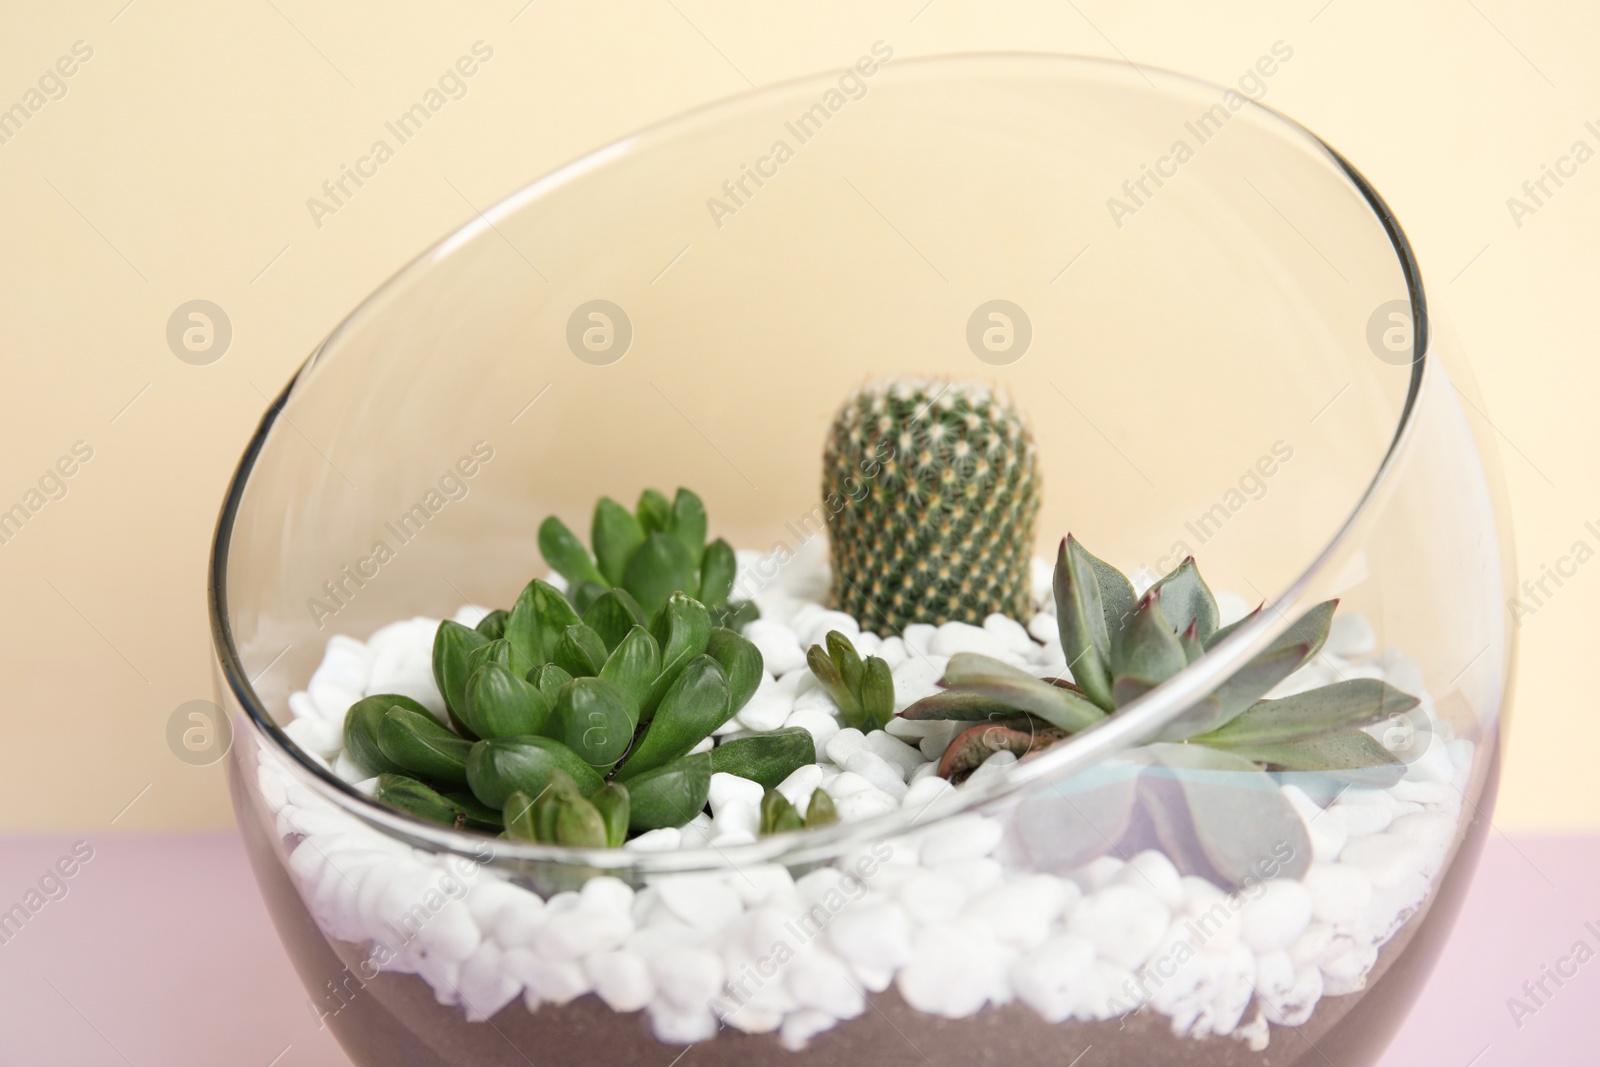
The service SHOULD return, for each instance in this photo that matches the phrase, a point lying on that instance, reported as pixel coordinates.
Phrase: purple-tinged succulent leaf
(1147, 648)
(1353, 755)
(968, 749)
(1186, 600)
(1233, 697)
(1081, 621)
(1328, 710)
(982, 676)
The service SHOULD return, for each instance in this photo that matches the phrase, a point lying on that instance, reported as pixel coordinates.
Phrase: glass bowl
(1220, 337)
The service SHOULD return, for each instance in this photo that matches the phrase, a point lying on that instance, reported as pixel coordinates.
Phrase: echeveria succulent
(1206, 783)
(649, 553)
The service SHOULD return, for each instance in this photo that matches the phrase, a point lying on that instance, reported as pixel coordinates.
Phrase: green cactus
(931, 489)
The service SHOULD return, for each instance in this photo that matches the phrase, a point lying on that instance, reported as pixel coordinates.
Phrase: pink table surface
(161, 953)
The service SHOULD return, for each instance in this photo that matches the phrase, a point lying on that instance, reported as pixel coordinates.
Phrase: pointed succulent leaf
(634, 665)
(579, 824)
(499, 766)
(1189, 640)
(499, 704)
(1117, 599)
(682, 629)
(595, 719)
(778, 816)
(566, 554)
(361, 724)
(582, 595)
(616, 535)
(452, 643)
(518, 816)
(414, 741)
(415, 798)
(1081, 620)
(959, 706)
(694, 706)
(654, 511)
(820, 810)
(1352, 755)
(549, 678)
(580, 652)
(1242, 689)
(979, 675)
(612, 615)
(1225, 632)
(832, 682)
(740, 661)
(493, 625)
(847, 659)
(1241, 821)
(1127, 688)
(877, 695)
(718, 567)
(612, 804)
(1330, 709)
(687, 524)
(1310, 630)
(661, 566)
(765, 758)
(1186, 600)
(539, 618)
(670, 795)
(1147, 649)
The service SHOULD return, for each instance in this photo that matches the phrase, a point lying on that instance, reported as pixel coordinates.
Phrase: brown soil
(394, 1020)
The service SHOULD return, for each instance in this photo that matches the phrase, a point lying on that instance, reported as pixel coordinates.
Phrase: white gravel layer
(946, 914)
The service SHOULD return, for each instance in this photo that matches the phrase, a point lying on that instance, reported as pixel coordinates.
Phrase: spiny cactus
(931, 489)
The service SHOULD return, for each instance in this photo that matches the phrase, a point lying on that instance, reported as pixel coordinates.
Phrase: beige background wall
(178, 162)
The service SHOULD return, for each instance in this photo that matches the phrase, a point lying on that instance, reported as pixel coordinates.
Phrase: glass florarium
(979, 556)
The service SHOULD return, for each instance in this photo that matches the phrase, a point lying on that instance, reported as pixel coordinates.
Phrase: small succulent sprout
(863, 690)
(361, 724)
(500, 704)
(669, 795)
(655, 550)
(613, 803)
(1119, 647)
(518, 817)
(766, 758)
(415, 742)
(500, 766)
(779, 816)
(694, 706)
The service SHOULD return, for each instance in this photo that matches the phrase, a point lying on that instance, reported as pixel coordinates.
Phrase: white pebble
(977, 876)
(703, 901)
(780, 648)
(842, 785)
(917, 637)
(729, 789)
(621, 979)
(1339, 892)
(681, 1026)
(1361, 820)
(867, 804)
(876, 935)
(892, 651)
(951, 970)
(665, 839)
(398, 669)
(924, 791)
(1154, 871)
(800, 1027)
(798, 787)
(582, 931)
(450, 934)
(1274, 919)
(954, 637)
(916, 678)
(1054, 978)
(896, 751)
(819, 724)
(1019, 912)
(817, 629)
(963, 837)
(1010, 632)
(1387, 859)
(819, 981)
(319, 735)
(687, 977)
(1124, 922)
(767, 708)
(929, 897)
(484, 985)
(883, 775)
(844, 744)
